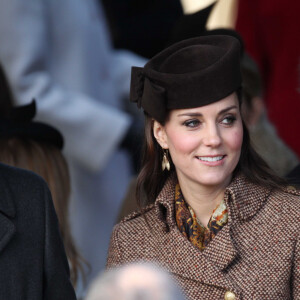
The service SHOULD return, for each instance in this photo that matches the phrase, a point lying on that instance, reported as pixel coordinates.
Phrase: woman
(217, 219)
(32, 256)
(37, 147)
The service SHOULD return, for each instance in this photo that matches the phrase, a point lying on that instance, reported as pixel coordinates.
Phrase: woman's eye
(191, 123)
(229, 120)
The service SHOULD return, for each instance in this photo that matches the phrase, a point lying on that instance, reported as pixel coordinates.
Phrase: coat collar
(246, 198)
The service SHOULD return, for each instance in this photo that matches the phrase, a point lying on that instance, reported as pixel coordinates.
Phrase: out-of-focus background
(223, 15)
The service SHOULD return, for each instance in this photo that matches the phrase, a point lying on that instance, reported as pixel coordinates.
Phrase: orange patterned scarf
(190, 227)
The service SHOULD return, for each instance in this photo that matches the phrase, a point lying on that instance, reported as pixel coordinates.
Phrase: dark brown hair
(47, 161)
(151, 178)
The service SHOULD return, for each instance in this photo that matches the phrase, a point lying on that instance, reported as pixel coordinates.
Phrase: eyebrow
(196, 114)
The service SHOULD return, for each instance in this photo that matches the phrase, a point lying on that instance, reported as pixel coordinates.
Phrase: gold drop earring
(165, 161)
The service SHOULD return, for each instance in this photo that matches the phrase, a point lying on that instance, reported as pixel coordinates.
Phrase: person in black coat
(32, 258)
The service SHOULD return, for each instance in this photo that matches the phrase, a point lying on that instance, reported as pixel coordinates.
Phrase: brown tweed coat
(255, 256)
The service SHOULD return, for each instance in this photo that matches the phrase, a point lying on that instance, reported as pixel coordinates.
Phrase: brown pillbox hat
(188, 74)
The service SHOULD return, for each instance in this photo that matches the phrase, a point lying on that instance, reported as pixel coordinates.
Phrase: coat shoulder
(137, 225)
(19, 188)
(18, 178)
(134, 236)
(289, 201)
(289, 196)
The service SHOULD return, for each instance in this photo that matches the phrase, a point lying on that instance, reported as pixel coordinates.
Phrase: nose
(212, 136)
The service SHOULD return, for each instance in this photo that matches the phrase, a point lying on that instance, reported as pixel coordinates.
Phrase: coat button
(291, 188)
(229, 296)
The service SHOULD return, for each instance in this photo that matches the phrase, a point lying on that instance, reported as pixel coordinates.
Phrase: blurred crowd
(64, 114)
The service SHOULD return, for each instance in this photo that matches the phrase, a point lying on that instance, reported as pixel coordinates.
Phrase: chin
(215, 180)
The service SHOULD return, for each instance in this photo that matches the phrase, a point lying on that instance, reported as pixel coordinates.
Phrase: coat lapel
(181, 258)
(221, 251)
(7, 231)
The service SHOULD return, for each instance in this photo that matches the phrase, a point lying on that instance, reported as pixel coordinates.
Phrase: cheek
(181, 143)
(235, 139)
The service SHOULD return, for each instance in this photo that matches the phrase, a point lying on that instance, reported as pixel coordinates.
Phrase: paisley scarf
(188, 224)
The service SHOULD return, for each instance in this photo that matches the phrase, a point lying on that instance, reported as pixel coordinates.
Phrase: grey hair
(138, 281)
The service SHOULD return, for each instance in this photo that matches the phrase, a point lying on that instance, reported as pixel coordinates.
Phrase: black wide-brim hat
(19, 123)
(188, 74)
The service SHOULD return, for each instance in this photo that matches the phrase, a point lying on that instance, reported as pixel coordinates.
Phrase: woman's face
(204, 142)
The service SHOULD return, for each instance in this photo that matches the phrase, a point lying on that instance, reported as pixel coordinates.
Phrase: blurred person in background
(138, 281)
(59, 53)
(263, 135)
(37, 147)
(32, 254)
(270, 30)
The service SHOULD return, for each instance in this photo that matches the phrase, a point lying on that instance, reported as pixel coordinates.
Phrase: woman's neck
(202, 199)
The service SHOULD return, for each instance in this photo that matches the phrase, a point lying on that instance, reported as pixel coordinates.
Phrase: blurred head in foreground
(139, 281)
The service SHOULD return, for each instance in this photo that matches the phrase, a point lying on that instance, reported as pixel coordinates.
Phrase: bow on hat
(147, 94)
(137, 85)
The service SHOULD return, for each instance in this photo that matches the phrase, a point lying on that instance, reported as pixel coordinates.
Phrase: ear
(159, 133)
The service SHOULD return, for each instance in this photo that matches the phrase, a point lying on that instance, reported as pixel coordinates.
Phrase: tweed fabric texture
(256, 255)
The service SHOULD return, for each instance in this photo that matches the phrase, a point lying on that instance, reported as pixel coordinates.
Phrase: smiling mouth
(211, 158)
